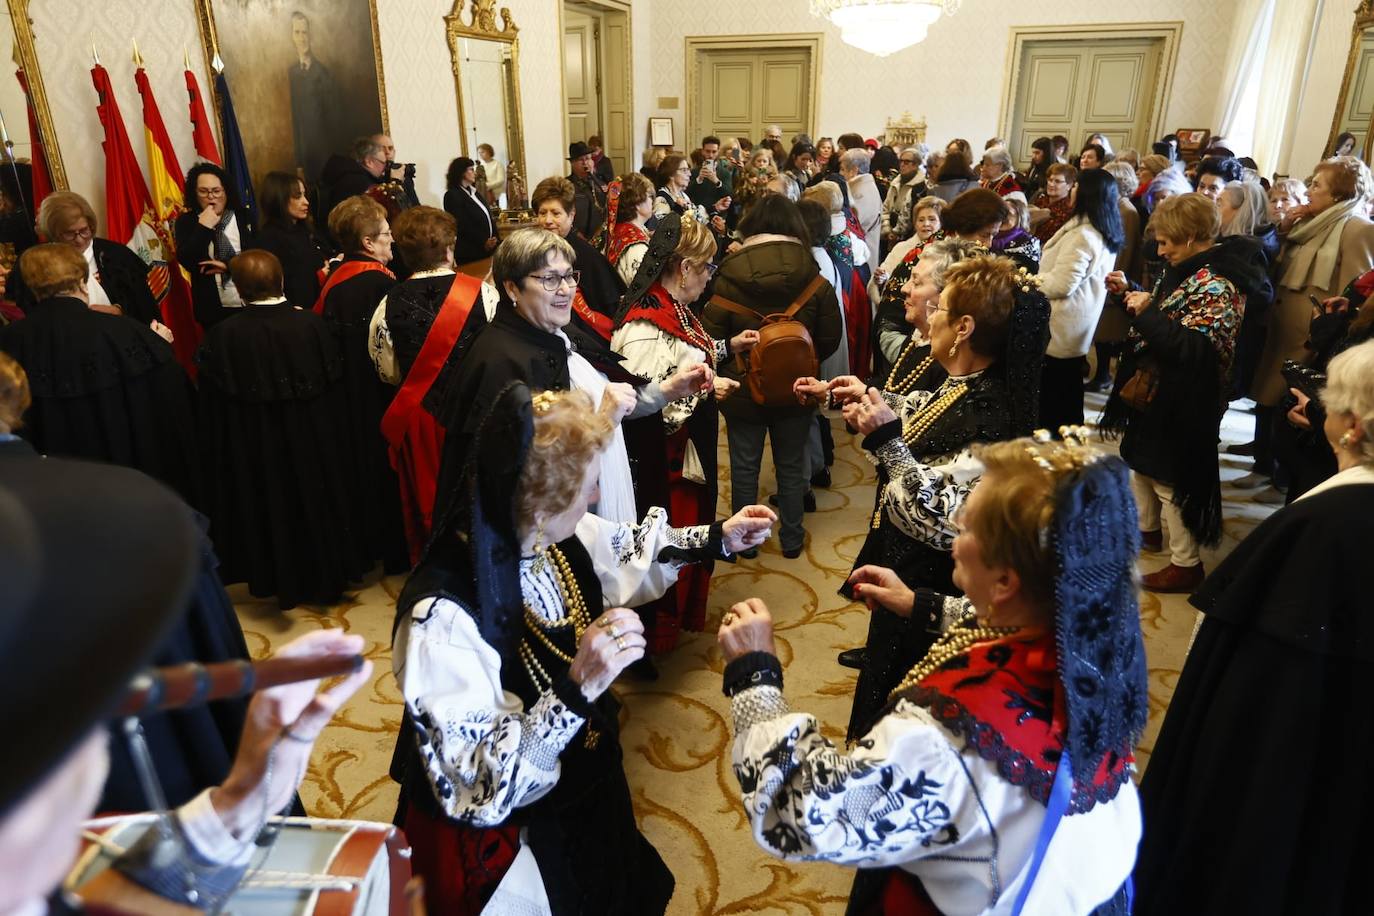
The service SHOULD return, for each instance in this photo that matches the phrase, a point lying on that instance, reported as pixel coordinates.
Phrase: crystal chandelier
(881, 27)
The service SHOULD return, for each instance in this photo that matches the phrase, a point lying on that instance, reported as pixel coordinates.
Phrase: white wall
(1318, 105)
(955, 77)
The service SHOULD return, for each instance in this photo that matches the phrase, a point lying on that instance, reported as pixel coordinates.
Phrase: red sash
(415, 438)
(347, 271)
(603, 325)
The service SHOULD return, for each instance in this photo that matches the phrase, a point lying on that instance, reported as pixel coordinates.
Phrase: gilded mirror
(486, 75)
(1355, 105)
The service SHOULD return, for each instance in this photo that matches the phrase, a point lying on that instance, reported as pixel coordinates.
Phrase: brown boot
(1152, 541)
(1174, 579)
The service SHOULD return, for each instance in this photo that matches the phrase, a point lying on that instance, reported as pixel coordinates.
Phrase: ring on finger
(620, 641)
(615, 631)
(605, 622)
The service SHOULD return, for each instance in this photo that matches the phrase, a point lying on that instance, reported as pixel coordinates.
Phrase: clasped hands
(864, 408)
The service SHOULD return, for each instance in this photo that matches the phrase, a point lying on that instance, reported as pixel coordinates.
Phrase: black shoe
(1243, 448)
(751, 554)
(808, 501)
(821, 479)
(643, 670)
(853, 658)
(792, 554)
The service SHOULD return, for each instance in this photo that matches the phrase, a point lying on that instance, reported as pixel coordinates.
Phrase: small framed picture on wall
(661, 132)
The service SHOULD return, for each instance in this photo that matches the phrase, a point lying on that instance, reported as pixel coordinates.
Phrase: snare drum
(316, 866)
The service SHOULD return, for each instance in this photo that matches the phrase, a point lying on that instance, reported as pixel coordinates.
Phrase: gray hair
(1126, 179)
(1251, 204)
(1294, 187)
(523, 252)
(945, 253)
(366, 148)
(1350, 389)
(1000, 156)
(1019, 210)
(857, 159)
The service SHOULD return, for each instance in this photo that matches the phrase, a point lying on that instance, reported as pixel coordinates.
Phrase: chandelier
(881, 27)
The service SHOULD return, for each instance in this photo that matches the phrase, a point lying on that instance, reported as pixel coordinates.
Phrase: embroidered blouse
(654, 352)
(493, 754)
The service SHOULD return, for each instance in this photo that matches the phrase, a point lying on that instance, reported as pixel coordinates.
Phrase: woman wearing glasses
(209, 235)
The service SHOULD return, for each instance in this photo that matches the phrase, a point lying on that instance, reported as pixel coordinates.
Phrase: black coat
(195, 244)
(123, 274)
(302, 254)
(601, 285)
(106, 389)
(475, 226)
(342, 178)
(1257, 796)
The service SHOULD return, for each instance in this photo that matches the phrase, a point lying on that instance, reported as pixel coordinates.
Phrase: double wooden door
(741, 92)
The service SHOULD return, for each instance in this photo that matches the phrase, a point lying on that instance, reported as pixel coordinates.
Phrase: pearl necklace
(905, 384)
(949, 646)
(695, 333)
(576, 616)
(920, 424)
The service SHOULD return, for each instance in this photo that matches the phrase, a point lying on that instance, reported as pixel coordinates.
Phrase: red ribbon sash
(347, 271)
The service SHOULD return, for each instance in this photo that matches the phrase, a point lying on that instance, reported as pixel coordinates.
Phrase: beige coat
(1115, 322)
(868, 208)
(1291, 315)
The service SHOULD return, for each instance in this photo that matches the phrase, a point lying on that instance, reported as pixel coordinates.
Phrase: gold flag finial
(95, 55)
(138, 58)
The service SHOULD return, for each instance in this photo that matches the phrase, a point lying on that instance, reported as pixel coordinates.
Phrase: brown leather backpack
(783, 354)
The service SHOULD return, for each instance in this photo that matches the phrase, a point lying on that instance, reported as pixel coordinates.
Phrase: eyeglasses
(932, 308)
(209, 192)
(71, 235)
(710, 269)
(907, 161)
(551, 282)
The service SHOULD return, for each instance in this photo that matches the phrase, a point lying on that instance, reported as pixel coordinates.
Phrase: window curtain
(1282, 80)
(1240, 78)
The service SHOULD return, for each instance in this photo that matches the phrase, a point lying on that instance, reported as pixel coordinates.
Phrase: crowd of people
(534, 443)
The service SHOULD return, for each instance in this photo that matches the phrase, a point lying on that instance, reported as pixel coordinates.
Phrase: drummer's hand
(878, 586)
(283, 723)
(617, 401)
(688, 381)
(746, 627)
(846, 388)
(748, 528)
(609, 646)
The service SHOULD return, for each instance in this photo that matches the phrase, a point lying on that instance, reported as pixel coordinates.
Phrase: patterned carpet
(676, 734)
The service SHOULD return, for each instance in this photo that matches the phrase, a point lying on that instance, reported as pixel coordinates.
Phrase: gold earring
(540, 553)
(1347, 437)
(954, 350)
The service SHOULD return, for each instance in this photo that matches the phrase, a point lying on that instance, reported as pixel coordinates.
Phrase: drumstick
(192, 684)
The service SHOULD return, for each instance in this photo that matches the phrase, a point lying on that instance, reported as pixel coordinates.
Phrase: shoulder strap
(731, 306)
(1055, 808)
(805, 295)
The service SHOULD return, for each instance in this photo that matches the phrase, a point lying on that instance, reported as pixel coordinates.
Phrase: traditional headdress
(661, 247)
(1027, 339)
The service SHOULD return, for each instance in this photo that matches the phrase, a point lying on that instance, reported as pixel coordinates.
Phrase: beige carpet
(676, 735)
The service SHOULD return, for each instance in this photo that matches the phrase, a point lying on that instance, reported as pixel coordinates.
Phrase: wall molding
(694, 45)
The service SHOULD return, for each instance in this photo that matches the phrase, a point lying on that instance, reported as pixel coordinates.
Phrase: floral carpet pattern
(676, 731)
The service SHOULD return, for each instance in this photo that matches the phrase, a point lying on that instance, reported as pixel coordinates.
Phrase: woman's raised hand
(617, 401)
(810, 390)
(609, 646)
(744, 341)
(1116, 282)
(869, 412)
(748, 528)
(746, 627)
(846, 388)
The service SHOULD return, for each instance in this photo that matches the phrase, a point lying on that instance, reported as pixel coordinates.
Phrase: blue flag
(235, 157)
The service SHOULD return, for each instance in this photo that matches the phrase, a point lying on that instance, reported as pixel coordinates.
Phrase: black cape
(1256, 798)
(601, 285)
(348, 310)
(281, 492)
(302, 253)
(106, 388)
(122, 274)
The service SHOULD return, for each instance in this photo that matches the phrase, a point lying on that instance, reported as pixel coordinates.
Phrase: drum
(316, 866)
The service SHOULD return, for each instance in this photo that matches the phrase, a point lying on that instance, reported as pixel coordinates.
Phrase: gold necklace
(921, 423)
(575, 615)
(904, 385)
(949, 646)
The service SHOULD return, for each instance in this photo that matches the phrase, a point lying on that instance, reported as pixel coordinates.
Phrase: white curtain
(1237, 101)
(1281, 83)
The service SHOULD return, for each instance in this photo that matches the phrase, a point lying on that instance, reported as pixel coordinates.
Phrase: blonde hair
(696, 243)
(1350, 389)
(59, 210)
(355, 219)
(15, 397)
(1186, 218)
(53, 268)
(827, 194)
(569, 432)
(1156, 164)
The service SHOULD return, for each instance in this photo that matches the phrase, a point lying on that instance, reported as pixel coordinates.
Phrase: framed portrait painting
(305, 76)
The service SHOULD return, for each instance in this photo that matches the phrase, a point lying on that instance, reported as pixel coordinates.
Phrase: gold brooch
(543, 401)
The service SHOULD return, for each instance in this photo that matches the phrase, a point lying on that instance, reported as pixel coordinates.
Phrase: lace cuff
(696, 544)
(757, 705)
(723, 353)
(892, 453)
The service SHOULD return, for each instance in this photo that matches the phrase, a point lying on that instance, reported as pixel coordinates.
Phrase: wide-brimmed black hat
(578, 150)
(97, 564)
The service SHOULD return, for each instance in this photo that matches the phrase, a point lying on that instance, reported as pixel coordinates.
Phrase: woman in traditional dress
(274, 433)
(998, 173)
(1277, 674)
(1014, 238)
(629, 233)
(598, 287)
(998, 779)
(848, 254)
(988, 332)
(289, 233)
(674, 175)
(508, 635)
(658, 334)
(104, 388)
(352, 291)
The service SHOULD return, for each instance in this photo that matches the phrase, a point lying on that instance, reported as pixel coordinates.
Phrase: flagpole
(14, 167)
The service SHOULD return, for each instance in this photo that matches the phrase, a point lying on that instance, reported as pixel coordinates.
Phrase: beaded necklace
(905, 384)
(576, 616)
(694, 332)
(951, 645)
(921, 423)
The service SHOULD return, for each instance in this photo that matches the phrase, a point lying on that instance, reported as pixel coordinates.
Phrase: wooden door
(742, 92)
(1077, 88)
(1357, 108)
(581, 74)
(615, 89)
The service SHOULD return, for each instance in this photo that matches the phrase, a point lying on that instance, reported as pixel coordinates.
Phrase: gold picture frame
(210, 47)
(27, 59)
(1364, 19)
(480, 23)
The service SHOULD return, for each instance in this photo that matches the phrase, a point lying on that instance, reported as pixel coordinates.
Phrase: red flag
(200, 123)
(42, 177)
(126, 194)
(167, 181)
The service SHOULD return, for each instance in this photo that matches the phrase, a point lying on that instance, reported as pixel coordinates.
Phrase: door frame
(1171, 32)
(613, 6)
(695, 45)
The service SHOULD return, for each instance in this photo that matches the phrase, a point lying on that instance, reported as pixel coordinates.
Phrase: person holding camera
(1171, 384)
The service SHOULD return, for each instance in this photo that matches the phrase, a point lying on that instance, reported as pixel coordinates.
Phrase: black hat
(97, 563)
(578, 150)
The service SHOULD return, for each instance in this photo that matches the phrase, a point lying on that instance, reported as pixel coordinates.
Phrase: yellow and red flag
(168, 202)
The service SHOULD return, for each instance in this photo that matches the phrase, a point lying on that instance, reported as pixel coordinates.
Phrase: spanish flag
(167, 183)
